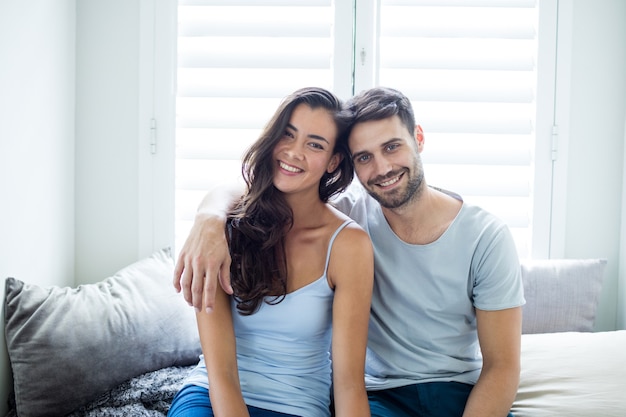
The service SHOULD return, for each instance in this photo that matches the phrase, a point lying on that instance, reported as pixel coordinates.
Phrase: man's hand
(203, 261)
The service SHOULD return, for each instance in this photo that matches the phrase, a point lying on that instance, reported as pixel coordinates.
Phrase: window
(236, 60)
(470, 69)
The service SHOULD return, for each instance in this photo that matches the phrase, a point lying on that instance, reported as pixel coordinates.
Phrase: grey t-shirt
(423, 321)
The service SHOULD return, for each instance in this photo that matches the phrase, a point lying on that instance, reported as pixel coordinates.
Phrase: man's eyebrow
(316, 137)
(357, 154)
(382, 145)
(390, 141)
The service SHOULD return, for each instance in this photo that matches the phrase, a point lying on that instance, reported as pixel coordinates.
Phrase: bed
(123, 346)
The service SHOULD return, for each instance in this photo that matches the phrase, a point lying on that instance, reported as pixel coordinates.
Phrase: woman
(300, 271)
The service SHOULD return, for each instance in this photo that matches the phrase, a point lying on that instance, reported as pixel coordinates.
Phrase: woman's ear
(334, 162)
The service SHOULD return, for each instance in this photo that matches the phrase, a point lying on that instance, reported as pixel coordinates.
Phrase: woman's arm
(351, 271)
(217, 337)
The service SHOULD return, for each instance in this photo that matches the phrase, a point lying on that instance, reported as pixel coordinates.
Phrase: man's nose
(382, 166)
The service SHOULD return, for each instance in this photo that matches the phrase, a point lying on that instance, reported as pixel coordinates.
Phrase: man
(445, 322)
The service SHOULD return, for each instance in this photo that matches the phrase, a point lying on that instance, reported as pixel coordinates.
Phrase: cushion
(573, 374)
(68, 345)
(561, 294)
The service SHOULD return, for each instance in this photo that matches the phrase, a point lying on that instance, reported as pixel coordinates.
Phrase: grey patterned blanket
(148, 395)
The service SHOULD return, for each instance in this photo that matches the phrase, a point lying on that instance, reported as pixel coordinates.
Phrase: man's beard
(398, 198)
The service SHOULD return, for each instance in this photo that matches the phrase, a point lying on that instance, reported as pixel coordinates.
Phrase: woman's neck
(307, 211)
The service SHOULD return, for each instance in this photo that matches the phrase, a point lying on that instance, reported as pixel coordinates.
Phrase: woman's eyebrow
(317, 137)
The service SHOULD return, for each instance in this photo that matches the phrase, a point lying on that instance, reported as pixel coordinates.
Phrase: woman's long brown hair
(257, 224)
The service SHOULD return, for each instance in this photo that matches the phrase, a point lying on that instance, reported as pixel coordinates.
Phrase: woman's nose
(294, 150)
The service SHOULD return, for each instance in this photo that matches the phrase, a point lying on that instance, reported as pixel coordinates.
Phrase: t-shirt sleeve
(347, 201)
(497, 276)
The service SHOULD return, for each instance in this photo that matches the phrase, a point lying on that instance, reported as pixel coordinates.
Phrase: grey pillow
(68, 345)
(561, 294)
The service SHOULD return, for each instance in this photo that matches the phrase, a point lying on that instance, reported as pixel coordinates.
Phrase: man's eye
(363, 158)
(392, 146)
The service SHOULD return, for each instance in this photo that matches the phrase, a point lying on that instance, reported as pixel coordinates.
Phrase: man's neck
(425, 218)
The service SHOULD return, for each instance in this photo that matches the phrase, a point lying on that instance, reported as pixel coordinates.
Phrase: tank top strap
(332, 240)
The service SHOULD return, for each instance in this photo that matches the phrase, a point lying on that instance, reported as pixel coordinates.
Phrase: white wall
(596, 143)
(107, 90)
(36, 148)
(621, 288)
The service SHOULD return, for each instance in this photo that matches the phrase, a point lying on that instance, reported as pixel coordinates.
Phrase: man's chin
(388, 202)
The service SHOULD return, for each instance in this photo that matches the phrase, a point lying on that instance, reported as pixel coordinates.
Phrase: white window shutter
(469, 68)
(236, 61)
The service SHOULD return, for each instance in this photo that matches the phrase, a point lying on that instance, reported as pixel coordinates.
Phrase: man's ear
(334, 162)
(419, 137)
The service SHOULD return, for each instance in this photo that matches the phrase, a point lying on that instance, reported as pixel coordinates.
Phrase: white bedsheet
(572, 374)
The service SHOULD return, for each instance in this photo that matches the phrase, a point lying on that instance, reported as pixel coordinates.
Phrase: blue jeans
(430, 399)
(194, 401)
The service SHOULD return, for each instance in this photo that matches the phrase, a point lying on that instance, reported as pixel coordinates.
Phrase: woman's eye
(316, 145)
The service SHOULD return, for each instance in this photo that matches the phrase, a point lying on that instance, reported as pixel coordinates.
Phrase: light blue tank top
(283, 350)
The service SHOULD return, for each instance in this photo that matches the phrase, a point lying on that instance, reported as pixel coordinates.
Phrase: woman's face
(305, 151)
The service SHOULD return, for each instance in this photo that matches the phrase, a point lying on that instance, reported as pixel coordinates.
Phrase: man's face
(386, 160)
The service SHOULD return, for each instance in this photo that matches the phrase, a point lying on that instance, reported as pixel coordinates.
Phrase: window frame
(156, 139)
(157, 111)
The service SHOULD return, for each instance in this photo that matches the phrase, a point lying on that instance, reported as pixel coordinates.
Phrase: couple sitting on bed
(291, 318)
